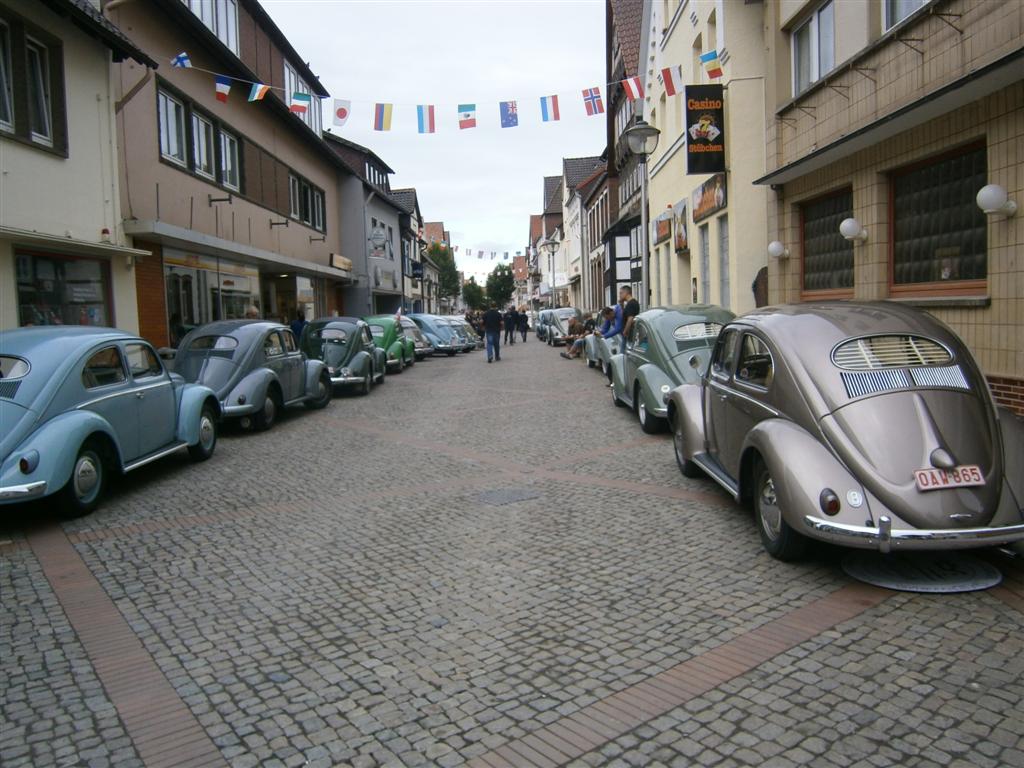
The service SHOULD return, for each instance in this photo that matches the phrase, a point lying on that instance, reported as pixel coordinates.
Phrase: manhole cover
(507, 496)
(923, 571)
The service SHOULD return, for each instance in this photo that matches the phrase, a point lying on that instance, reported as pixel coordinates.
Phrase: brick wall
(1009, 392)
(149, 287)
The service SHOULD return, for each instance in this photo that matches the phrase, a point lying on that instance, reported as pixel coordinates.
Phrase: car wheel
(652, 425)
(82, 493)
(323, 393)
(264, 418)
(412, 360)
(364, 388)
(687, 467)
(401, 365)
(615, 399)
(203, 449)
(778, 538)
(451, 354)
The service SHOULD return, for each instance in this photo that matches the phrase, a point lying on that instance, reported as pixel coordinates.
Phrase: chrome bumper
(23, 492)
(885, 539)
(234, 411)
(338, 380)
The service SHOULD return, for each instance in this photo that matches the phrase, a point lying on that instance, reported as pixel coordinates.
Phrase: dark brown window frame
(20, 30)
(942, 289)
(832, 293)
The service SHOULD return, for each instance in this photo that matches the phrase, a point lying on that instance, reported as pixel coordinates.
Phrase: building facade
(897, 124)
(64, 256)
(708, 232)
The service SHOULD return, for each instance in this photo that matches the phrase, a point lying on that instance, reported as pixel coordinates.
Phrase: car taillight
(829, 502)
(23, 466)
(28, 463)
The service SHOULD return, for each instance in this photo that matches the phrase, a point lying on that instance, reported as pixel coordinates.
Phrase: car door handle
(140, 395)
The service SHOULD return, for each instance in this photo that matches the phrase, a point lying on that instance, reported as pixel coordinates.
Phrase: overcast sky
(483, 182)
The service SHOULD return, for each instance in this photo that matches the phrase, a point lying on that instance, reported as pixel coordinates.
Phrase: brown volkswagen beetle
(867, 425)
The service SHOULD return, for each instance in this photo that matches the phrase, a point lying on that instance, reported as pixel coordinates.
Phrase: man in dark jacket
(492, 332)
(511, 321)
(524, 323)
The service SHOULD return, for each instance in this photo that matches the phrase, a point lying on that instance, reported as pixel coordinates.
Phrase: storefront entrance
(201, 289)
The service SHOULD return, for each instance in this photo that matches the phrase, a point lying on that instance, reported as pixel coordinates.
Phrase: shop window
(827, 255)
(59, 290)
(813, 46)
(6, 81)
(104, 369)
(40, 115)
(142, 361)
(228, 160)
(939, 236)
(896, 11)
(202, 145)
(171, 114)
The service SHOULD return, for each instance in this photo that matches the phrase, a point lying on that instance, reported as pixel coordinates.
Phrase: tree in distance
(501, 285)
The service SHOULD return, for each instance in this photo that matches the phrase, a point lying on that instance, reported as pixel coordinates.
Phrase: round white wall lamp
(777, 250)
(994, 201)
(852, 230)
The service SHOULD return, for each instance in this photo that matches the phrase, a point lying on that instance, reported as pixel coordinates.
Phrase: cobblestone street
(485, 565)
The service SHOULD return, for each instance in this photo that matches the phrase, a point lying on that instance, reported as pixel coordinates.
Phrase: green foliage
(473, 295)
(448, 274)
(501, 285)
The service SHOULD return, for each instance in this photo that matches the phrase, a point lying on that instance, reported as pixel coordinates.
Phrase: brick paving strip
(163, 729)
(618, 714)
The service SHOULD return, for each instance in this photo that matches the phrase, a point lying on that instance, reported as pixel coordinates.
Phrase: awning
(969, 88)
(179, 237)
(58, 243)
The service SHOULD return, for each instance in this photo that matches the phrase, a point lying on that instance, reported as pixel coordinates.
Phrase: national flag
(223, 87)
(258, 91)
(425, 118)
(549, 108)
(634, 88)
(479, 254)
(673, 80)
(342, 109)
(382, 117)
(181, 61)
(518, 254)
(493, 255)
(592, 101)
(300, 103)
(509, 114)
(711, 64)
(506, 255)
(456, 249)
(467, 116)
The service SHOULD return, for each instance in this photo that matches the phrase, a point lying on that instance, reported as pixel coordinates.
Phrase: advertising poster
(709, 197)
(705, 132)
(681, 243)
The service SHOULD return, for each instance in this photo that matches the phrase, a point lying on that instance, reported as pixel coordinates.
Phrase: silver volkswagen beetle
(867, 425)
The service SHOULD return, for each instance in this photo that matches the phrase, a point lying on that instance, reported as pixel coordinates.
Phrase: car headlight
(331, 370)
(391, 355)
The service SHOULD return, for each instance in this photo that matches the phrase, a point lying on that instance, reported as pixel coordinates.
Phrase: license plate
(957, 477)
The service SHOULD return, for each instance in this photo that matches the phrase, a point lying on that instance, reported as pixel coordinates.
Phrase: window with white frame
(40, 108)
(306, 202)
(318, 210)
(220, 17)
(6, 80)
(202, 146)
(295, 84)
(814, 48)
(229, 175)
(171, 115)
(294, 187)
(896, 11)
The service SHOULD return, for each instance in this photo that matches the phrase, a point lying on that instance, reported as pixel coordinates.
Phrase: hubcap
(680, 445)
(642, 409)
(771, 515)
(206, 431)
(86, 475)
(268, 409)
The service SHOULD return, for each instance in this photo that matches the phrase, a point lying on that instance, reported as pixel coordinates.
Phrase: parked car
(347, 348)
(599, 352)
(256, 369)
(666, 347)
(867, 425)
(421, 346)
(557, 327)
(540, 325)
(466, 331)
(387, 333)
(438, 333)
(79, 404)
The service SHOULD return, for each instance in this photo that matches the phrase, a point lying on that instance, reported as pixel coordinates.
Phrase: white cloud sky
(484, 182)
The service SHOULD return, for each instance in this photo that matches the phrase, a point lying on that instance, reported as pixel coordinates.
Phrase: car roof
(61, 340)
(683, 314)
(340, 319)
(242, 329)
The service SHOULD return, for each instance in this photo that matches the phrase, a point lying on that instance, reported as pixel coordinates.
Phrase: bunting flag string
(300, 103)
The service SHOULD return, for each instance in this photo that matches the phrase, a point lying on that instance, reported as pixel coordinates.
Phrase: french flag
(673, 79)
(549, 108)
(223, 87)
(633, 87)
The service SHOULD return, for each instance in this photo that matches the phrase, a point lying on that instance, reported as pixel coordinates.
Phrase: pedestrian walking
(511, 321)
(523, 322)
(298, 324)
(492, 332)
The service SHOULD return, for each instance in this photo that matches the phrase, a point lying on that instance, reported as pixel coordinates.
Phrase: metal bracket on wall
(321, 239)
(945, 18)
(908, 40)
(862, 71)
(786, 120)
(211, 199)
(809, 111)
(282, 223)
(840, 89)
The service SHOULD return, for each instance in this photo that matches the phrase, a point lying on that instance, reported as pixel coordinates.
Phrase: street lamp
(642, 140)
(550, 246)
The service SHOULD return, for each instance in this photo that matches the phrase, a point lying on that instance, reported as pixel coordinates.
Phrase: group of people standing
(616, 320)
(491, 323)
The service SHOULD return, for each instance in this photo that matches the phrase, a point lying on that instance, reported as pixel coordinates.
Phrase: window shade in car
(889, 351)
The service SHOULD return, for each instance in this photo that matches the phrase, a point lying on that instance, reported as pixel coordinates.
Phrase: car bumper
(885, 538)
(24, 492)
(339, 380)
(234, 411)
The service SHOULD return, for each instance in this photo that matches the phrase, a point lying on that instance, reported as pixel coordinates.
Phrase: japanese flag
(342, 109)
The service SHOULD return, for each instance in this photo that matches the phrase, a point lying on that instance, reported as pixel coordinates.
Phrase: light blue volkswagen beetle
(78, 404)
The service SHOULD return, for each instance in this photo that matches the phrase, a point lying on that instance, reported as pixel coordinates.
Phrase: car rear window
(13, 367)
(565, 314)
(334, 335)
(204, 343)
(889, 351)
(377, 330)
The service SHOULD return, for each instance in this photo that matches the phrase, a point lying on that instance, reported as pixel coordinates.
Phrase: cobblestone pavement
(477, 564)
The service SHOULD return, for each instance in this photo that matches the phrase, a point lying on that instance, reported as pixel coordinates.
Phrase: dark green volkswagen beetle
(347, 348)
(388, 335)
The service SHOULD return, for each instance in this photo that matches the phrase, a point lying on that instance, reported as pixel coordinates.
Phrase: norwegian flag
(592, 101)
(634, 88)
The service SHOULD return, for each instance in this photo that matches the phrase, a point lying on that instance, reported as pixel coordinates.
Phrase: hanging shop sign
(662, 228)
(705, 120)
(709, 198)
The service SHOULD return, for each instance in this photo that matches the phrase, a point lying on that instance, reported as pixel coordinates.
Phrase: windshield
(204, 368)
(565, 314)
(12, 367)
